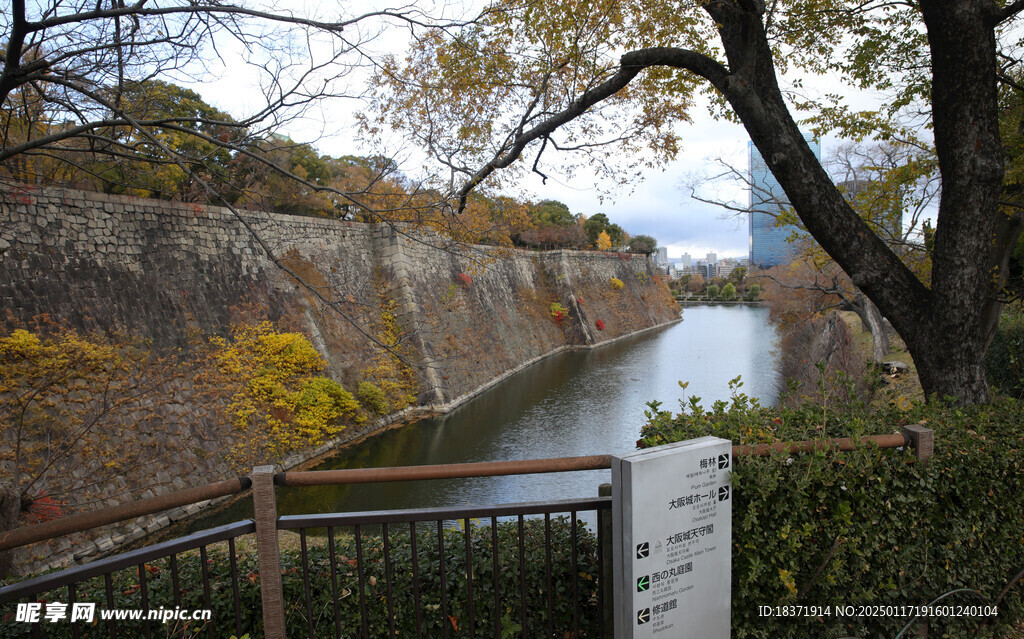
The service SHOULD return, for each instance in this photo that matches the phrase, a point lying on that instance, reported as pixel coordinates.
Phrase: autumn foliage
(277, 401)
(82, 412)
(71, 409)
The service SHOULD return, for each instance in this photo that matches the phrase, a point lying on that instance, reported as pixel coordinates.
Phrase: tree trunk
(872, 320)
(943, 325)
(10, 509)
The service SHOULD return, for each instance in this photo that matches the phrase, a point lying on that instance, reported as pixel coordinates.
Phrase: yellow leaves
(788, 580)
(69, 400)
(604, 241)
(278, 403)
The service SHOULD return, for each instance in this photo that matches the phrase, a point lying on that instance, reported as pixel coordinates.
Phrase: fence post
(271, 592)
(921, 439)
(604, 538)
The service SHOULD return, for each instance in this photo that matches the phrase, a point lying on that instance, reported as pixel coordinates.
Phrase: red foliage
(599, 324)
(464, 279)
(43, 508)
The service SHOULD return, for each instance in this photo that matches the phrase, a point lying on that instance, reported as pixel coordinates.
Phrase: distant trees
(599, 222)
(89, 85)
(553, 225)
(643, 244)
(695, 283)
(551, 213)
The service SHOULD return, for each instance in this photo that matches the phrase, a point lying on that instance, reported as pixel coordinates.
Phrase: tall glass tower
(768, 245)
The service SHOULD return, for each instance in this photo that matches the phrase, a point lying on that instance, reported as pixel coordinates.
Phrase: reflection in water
(578, 403)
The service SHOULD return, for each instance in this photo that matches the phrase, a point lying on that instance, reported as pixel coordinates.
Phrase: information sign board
(672, 517)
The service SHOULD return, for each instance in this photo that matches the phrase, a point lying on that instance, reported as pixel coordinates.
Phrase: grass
(895, 389)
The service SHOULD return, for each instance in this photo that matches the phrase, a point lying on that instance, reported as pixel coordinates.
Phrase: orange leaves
(43, 508)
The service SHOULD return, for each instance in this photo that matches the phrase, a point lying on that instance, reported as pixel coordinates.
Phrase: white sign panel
(672, 513)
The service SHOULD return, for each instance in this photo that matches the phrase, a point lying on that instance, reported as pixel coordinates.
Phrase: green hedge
(869, 527)
(160, 588)
(1004, 360)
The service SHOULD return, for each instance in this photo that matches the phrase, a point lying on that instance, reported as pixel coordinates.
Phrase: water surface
(576, 403)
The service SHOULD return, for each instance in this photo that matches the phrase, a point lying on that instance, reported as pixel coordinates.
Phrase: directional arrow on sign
(643, 616)
(723, 493)
(643, 583)
(723, 461)
(643, 550)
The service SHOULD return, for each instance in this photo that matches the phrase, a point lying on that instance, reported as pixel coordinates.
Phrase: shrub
(753, 292)
(373, 398)
(160, 586)
(729, 291)
(1004, 361)
(616, 283)
(599, 325)
(71, 406)
(713, 291)
(278, 403)
(870, 526)
(558, 312)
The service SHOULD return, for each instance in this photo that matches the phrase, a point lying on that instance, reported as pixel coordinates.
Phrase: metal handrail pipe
(132, 559)
(836, 443)
(442, 513)
(442, 471)
(122, 512)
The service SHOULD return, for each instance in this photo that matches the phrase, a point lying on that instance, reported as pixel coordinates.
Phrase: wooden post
(267, 550)
(922, 440)
(604, 537)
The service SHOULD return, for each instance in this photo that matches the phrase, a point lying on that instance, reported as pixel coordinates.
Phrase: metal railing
(410, 572)
(129, 580)
(461, 579)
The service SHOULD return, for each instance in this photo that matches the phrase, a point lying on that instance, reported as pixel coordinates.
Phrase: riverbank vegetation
(85, 417)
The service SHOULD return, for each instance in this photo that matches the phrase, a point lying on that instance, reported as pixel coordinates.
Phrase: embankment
(172, 273)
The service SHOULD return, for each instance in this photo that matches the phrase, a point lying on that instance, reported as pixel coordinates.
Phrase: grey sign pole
(672, 519)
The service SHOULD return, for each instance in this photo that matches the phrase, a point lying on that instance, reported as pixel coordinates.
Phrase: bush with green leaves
(372, 398)
(729, 291)
(323, 594)
(713, 291)
(1004, 360)
(869, 526)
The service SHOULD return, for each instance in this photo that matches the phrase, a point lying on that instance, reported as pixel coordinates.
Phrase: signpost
(672, 517)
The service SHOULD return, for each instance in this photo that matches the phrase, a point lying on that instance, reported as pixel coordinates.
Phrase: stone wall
(167, 272)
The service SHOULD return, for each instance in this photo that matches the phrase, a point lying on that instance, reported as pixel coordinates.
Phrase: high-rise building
(768, 245)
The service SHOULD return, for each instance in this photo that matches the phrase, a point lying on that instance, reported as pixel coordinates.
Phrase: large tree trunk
(942, 326)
